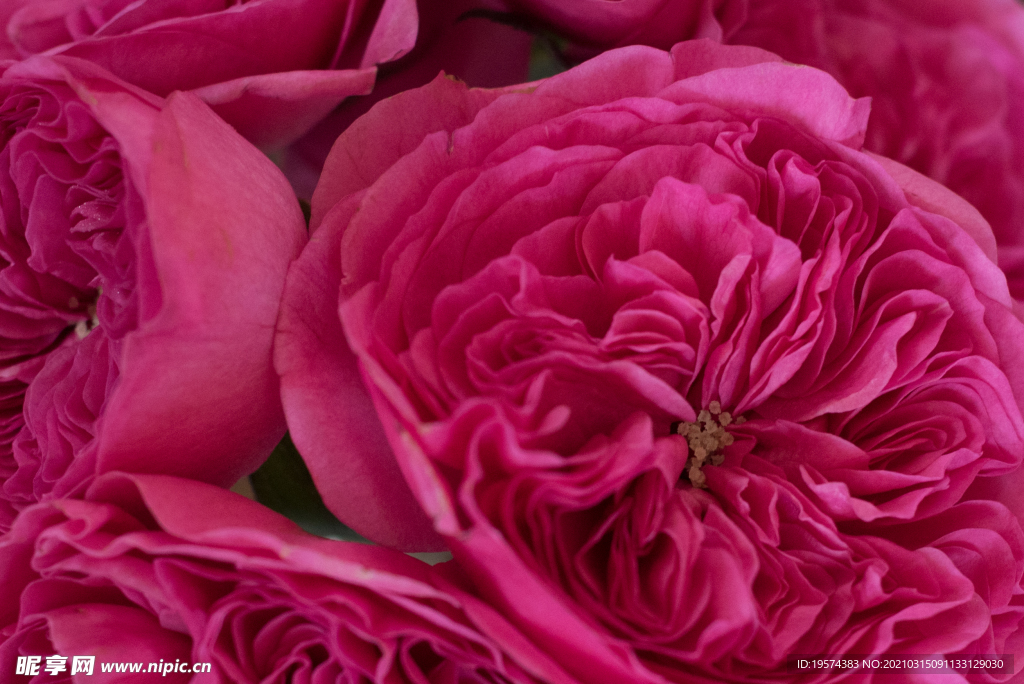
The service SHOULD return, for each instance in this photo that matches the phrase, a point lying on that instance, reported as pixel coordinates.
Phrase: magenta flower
(271, 68)
(144, 249)
(684, 379)
(946, 79)
(131, 574)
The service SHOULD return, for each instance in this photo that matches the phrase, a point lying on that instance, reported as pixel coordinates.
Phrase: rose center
(85, 326)
(706, 437)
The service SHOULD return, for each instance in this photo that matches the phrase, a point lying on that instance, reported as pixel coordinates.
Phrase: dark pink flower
(271, 68)
(686, 380)
(130, 573)
(946, 78)
(144, 245)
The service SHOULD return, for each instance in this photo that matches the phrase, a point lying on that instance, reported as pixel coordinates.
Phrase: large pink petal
(198, 395)
(373, 143)
(179, 53)
(271, 110)
(330, 415)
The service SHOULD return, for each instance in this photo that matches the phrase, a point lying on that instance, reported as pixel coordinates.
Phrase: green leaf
(283, 483)
(546, 58)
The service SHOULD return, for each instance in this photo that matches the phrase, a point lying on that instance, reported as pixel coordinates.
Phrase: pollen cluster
(84, 327)
(706, 438)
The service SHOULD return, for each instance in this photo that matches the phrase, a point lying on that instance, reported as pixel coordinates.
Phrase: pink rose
(130, 574)
(271, 68)
(685, 380)
(946, 78)
(144, 248)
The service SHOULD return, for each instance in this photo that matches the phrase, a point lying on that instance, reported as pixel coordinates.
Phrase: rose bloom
(144, 246)
(131, 574)
(271, 68)
(946, 78)
(684, 379)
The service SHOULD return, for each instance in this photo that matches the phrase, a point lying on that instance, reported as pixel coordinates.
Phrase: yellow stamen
(706, 438)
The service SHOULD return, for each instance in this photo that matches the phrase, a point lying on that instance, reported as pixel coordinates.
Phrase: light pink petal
(807, 97)
(633, 71)
(393, 35)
